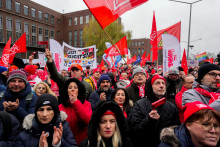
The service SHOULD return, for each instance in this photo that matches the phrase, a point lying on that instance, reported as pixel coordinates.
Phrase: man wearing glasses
(206, 87)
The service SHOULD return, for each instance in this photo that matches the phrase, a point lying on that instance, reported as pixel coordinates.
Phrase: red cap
(96, 69)
(31, 69)
(191, 108)
(102, 68)
(114, 69)
(109, 112)
(156, 77)
(77, 66)
(11, 68)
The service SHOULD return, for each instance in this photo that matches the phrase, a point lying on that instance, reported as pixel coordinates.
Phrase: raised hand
(48, 55)
(43, 140)
(73, 97)
(57, 135)
(154, 115)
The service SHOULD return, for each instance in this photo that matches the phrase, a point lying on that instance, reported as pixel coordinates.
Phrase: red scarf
(95, 83)
(141, 91)
(212, 95)
(125, 114)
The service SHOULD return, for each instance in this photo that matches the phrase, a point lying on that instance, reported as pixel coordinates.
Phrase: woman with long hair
(41, 88)
(78, 109)
(108, 127)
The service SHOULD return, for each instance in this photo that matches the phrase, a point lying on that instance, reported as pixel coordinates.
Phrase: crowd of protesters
(109, 107)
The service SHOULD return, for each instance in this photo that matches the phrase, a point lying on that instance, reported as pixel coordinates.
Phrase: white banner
(193, 63)
(171, 52)
(83, 56)
(57, 53)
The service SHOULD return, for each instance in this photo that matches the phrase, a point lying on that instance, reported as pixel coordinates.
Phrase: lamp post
(189, 21)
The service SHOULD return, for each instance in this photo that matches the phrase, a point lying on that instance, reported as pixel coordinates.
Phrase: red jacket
(79, 116)
(178, 100)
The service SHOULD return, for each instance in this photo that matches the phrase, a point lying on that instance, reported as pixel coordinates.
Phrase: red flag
(132, 59)
(18, 47)
(122, 46)
(184, 62)
(142, 59)
(5, 54)
(101, 64)
(173, 30)
(107, 11)
(153, 39)
(147, 58)
(211, 60)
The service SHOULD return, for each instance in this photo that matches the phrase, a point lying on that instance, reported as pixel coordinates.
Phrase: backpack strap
(6, 121)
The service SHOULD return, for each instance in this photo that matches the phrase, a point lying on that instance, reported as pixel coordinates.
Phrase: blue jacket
(94, 98)
(23, 109)
(179, 137)
(13, 136)
(31, 135)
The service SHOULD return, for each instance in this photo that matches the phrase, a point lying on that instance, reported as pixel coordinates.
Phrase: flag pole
(26, 57)
(114, 45)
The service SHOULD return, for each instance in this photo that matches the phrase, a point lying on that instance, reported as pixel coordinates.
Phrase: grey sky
(205, 23)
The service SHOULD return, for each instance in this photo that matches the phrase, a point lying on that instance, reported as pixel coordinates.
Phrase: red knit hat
(30, 69)
(11, 68)
(157, 77)
(96, 70)
(191, 108)
(114, 69)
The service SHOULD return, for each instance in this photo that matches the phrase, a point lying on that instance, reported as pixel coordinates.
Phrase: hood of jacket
(12, 96)
(29, 120)
(101, 108)
(149, 91)
(81, 92)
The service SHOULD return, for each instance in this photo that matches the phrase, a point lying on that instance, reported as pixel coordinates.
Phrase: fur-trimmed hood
(168, 136)
(28, 120)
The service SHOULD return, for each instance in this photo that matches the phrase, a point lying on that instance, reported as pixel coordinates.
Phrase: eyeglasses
(208, 126)
(214, 75)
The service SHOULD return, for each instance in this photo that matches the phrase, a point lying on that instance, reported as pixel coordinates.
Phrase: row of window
(80, 20)
(26, 11)
(75, 38)
(137, 51)
(27, 27)
(137, 43)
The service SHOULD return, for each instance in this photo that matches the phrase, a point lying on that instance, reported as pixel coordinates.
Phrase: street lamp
(189, 21)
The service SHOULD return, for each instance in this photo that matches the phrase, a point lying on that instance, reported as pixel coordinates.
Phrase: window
(81, 20)
(52, 19)
(75, 21)
(46, 17)
(58, 21)
(58, 33)
(46, 35)
(132, 43)
(18, 29)
(80, 38)
(70, 21)
(142, 43)
(9, 28)
(33, 35)
(26, 10)
(26, 29)
(17, 7)
(70, 38)
(0, 3)
(1, 29)
(142, 50)
(135, 43)
(87, 19)
(8, 4)
(139, 43)
(40, 34)
(33, 12)
(52, 34)
(139, 51)
(40, 16)
(75, 38)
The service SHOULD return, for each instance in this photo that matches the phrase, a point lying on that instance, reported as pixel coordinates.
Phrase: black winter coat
(133, 92)
(145, 131)
(31, 135)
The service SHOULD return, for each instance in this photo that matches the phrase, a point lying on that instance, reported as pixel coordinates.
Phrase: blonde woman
(41, 88)
(107, 127)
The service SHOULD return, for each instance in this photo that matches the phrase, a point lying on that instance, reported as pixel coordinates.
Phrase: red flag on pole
(107, 11)
(18, 47)
(122, 46)
(132, 59)
(184, 62)
(5, 54)
(211, 60)
(172, 30)
(153, 39)
(147, 58)
(142, 59)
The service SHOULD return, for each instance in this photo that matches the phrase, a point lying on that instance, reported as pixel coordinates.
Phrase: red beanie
(157, 77)
(114, 69)
(96, 69)
(30, 69)
(109, 112)
(191, 108)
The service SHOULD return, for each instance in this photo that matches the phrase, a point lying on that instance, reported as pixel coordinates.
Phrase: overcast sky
(205, 20)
